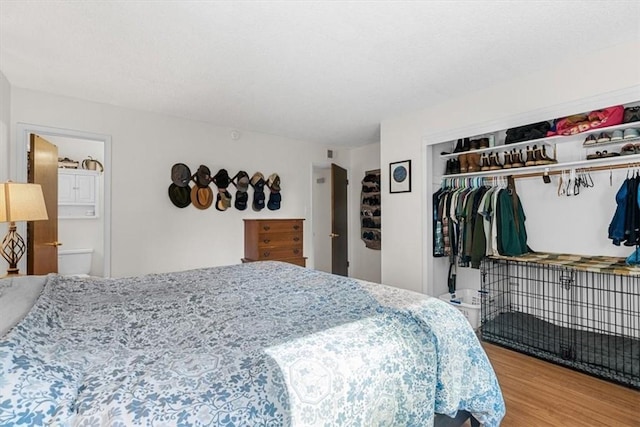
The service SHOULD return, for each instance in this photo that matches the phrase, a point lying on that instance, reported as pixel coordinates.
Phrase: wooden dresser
(274, 240)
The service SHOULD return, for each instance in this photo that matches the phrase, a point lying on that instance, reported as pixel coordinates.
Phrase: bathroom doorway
(84, 223)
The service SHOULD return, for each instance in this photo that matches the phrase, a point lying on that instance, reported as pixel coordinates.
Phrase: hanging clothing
(470, 223)
(512, 234)
(632, 214)
(438, 241)
(617, 225)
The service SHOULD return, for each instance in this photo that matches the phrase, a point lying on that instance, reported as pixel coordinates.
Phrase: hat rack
(201, 195)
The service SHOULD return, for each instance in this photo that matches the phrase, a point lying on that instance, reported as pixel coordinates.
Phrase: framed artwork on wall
(400, 177)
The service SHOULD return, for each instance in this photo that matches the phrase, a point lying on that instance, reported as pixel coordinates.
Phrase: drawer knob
(266, 240)
(266, 228)
(296, 227)
(266, 254)
(296, 239)
(295, 251)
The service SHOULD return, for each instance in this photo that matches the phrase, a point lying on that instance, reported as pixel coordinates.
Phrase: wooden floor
(539, 393)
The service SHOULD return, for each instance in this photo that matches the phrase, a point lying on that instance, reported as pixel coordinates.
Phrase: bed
(257, 344)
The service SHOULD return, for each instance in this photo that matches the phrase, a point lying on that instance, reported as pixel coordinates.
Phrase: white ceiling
(322, 71)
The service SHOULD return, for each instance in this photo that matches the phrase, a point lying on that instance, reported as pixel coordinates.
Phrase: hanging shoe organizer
(370, 221)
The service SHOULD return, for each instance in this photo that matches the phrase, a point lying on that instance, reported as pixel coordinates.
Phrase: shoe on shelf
(531, 161)
(516, 159)
(458, 147)
(455, 166)
(628, 149)
(507, 160)
(484, 162)
(604, 137)
(616, 135)
(591, 139)
(473, 162)
(631, 133)
(494, 162)
(464, 162)
(466, 144)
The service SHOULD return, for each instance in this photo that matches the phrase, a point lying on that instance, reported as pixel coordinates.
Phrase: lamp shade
(21, 202)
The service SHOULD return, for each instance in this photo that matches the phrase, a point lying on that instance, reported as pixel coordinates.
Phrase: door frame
(19, 171)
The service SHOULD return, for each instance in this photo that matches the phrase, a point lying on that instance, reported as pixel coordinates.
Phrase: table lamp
(19, 202)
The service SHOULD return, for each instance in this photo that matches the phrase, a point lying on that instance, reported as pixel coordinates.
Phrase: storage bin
(468, 302)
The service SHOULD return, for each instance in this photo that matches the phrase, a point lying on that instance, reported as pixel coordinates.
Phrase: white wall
(552, 92)
(364, 262)
(149, 234)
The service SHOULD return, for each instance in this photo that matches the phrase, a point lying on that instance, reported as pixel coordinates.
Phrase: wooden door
(42, 236)
(339, 241)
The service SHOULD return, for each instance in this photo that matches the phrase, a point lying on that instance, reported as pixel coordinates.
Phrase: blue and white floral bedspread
(258, 344)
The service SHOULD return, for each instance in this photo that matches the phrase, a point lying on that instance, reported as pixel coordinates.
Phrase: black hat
(241, 200)
(203, 176)
(180, 196)
(274, 201)
(221, 179)
(180, 174)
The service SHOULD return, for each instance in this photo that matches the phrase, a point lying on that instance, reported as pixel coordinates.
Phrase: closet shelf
(614, 162)
(619, 141)
(507, 147)
(548, 140)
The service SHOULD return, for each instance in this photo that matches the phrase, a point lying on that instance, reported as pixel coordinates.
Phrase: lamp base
(13, 247)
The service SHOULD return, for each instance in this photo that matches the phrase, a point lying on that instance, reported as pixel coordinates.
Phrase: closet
(584, 314)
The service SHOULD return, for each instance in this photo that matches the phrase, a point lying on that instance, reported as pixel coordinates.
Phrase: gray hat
(180, 174)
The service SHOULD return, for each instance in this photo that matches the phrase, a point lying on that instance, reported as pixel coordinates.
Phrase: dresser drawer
(270, 240)
(302, 262)
(279, 253)
(281, 226)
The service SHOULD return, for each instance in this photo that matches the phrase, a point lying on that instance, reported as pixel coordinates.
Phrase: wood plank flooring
(538, 393)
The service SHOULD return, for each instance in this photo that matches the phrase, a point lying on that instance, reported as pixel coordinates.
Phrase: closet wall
(563, 86)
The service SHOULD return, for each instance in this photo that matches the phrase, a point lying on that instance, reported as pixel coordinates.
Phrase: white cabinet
(77, 193)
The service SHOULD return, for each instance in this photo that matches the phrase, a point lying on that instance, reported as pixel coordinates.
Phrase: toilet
(74, 262)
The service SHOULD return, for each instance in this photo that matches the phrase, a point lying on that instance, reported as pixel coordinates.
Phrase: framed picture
(400, 177)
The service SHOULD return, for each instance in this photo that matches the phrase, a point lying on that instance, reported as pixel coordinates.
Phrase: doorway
(329, 219)
(78, 233)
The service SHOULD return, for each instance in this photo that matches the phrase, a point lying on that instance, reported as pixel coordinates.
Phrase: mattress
(264, 343)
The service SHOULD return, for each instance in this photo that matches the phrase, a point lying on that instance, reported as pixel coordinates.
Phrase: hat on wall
(180, 196)
(273, 182)
(257, 182)
(180, 174)
(223, 202)
(275, 198)
(202, 177)
(201, 197)
(241, 182)
(221, 179)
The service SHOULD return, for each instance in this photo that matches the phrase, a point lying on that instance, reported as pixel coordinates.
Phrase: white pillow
(17, 296)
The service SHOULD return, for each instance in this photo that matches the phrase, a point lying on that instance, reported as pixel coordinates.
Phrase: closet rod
(588, 169)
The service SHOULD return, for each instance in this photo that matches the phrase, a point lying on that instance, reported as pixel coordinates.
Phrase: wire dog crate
(584, 318)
